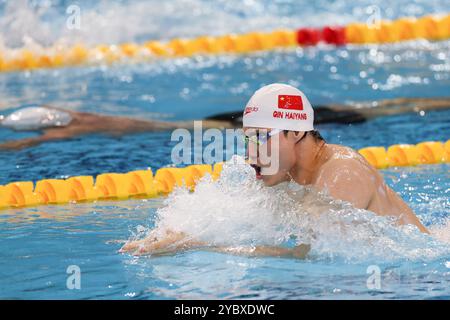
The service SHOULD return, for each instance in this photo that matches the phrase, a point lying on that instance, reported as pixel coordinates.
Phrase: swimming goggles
(260, 139)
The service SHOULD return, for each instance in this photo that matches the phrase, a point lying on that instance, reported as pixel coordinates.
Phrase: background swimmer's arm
(20, 144)
(345, 180)
(30, 142)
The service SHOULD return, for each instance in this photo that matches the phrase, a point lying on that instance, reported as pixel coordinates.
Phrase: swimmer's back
(358, 179)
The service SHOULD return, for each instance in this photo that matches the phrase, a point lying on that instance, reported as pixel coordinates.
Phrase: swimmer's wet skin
(173, 242)
(303, 157)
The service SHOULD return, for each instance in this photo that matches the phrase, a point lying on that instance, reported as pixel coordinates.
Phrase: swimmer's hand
(174, 242)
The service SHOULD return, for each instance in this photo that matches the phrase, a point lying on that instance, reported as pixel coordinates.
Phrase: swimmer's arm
(174, 242)
(408, 216)
(298, 252)
(345, 180)
(171, 243)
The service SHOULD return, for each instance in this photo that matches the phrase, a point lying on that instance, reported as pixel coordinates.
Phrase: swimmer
(282, 112)
(60, 124)
(305, 157)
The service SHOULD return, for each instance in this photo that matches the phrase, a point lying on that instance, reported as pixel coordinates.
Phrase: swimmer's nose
(252, 153)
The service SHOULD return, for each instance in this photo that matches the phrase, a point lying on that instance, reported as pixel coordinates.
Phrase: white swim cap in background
(35, 118)
(279, 106)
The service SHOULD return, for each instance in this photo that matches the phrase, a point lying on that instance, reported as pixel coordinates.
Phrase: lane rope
(430, 27)
(143, 184)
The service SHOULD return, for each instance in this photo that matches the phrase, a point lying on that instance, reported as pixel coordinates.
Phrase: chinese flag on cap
(290, 102)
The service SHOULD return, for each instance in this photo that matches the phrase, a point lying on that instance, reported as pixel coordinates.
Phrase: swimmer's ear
(297, 135)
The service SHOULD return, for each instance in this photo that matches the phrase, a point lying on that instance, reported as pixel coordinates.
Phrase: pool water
(38, 244)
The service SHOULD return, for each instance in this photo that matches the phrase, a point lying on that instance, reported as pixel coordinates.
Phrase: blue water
(38, 244)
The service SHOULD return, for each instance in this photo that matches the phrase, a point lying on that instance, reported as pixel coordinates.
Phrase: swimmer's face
(271, 154)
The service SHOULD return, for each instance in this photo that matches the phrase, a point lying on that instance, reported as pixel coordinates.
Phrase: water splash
(442, 232)
(24, 22)
(239, 211)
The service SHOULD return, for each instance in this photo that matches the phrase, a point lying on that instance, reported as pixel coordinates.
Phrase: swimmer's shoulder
(343, 155)
(343, 160)
(346, 177)
(338, 154)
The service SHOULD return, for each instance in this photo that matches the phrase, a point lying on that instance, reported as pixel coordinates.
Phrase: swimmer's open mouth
(257, 170)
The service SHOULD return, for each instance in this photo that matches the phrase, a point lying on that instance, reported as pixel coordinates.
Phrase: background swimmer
(82, 123)
(305, 158)
(59, 124)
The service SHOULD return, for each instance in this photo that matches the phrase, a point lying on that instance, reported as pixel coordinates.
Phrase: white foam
(239, 210)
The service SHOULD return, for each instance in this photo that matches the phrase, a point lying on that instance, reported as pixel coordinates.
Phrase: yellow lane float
(430, 27)
(143, 184)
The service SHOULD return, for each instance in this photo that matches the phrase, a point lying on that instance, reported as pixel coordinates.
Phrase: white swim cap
(279, 106)
(35, 118)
